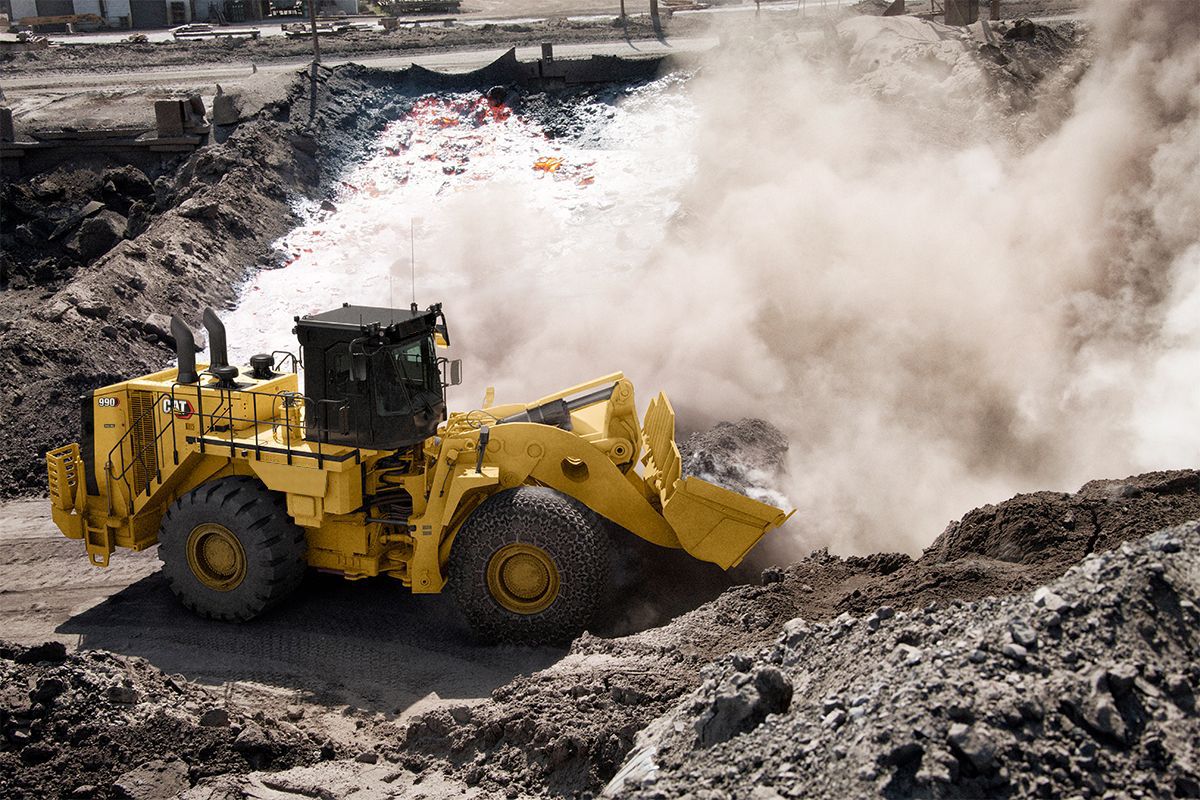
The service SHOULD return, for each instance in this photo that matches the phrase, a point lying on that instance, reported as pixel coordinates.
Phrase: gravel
(1093, 698)
(567, 729)
(100, 725)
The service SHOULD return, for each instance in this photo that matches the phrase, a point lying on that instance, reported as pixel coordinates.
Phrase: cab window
(403, 373)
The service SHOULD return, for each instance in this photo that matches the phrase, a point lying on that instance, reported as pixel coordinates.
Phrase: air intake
(218, 350)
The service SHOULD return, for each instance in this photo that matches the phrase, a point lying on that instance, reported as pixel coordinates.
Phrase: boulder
(226, 109)
(215, 718)
(976, 744)
(89, 209)
(128, 181)
(123, 695)
(195, 208)
(98, 234)
(50, 652)
(740, 707)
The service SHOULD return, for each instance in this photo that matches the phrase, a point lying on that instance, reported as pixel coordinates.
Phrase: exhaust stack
(185, 351)
(217, 348)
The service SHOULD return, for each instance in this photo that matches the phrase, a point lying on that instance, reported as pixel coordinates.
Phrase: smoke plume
(940, 301)
(944, 280)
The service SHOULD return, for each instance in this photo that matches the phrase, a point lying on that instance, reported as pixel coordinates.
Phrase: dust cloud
(939, 301)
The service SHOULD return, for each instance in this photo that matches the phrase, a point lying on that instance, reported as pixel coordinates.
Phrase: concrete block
(962, 12)
(168, 117)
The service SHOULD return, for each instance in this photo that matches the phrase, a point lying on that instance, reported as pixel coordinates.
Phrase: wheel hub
(522, 578)
(216, 557)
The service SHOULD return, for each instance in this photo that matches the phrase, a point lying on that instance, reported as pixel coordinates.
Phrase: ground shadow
(370, 644)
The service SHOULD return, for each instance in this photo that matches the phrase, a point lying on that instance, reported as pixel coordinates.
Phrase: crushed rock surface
(568, 729)
(98, 725)
(1084, 687)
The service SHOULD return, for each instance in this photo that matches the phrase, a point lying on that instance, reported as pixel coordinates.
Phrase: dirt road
(371, 645)
(452, 61)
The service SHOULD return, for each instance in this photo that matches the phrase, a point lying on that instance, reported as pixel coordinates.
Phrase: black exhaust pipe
(217, 350)
(185, 351)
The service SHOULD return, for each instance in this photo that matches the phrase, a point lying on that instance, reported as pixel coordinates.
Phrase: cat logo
(182, 408)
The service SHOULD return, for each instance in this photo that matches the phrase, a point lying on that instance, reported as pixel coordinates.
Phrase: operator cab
(372, 375)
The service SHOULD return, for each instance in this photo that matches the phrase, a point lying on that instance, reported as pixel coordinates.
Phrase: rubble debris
(527, 737)
(94, 719)
(1104, 703)
(132, 264)
(98, 234)
(1023, 30)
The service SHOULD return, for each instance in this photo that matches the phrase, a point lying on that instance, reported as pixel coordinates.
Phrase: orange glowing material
(548, 164)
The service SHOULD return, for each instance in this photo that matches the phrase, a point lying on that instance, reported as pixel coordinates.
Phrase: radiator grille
(145, 450)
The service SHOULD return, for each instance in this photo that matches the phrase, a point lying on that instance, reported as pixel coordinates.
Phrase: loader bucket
(713, 524)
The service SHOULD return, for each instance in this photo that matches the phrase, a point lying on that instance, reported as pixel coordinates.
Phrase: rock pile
(746, 456)
(99, 725)
(53, 224)
(1081, 688)
(567, 729)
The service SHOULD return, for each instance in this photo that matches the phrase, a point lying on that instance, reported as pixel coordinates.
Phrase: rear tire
(530, 566)
(229, 549)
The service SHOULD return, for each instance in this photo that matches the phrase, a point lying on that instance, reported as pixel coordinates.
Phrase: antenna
(412, 257)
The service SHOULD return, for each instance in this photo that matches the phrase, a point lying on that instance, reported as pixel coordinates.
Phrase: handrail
(211, 423)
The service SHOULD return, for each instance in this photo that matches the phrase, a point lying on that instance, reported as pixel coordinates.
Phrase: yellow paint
(216, 557)
(523, 578)
(155, 442)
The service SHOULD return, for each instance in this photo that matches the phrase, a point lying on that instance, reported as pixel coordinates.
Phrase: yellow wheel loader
(245, 481)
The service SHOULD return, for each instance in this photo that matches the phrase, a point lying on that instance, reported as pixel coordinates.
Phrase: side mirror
(455, 370)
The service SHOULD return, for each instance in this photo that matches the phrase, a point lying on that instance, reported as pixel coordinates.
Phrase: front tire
(229, 549)
(529, 566)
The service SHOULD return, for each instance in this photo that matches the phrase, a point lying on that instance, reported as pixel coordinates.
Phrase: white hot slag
(456, 183)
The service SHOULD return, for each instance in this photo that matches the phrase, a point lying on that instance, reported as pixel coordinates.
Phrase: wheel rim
(522, 578)
(216, 557)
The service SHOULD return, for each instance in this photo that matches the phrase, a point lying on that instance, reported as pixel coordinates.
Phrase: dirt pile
(67, 325)
(99, 725)
(528, 739)
(746, 456)
(1081, 687)
(1032, 538)
(1025, 71)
